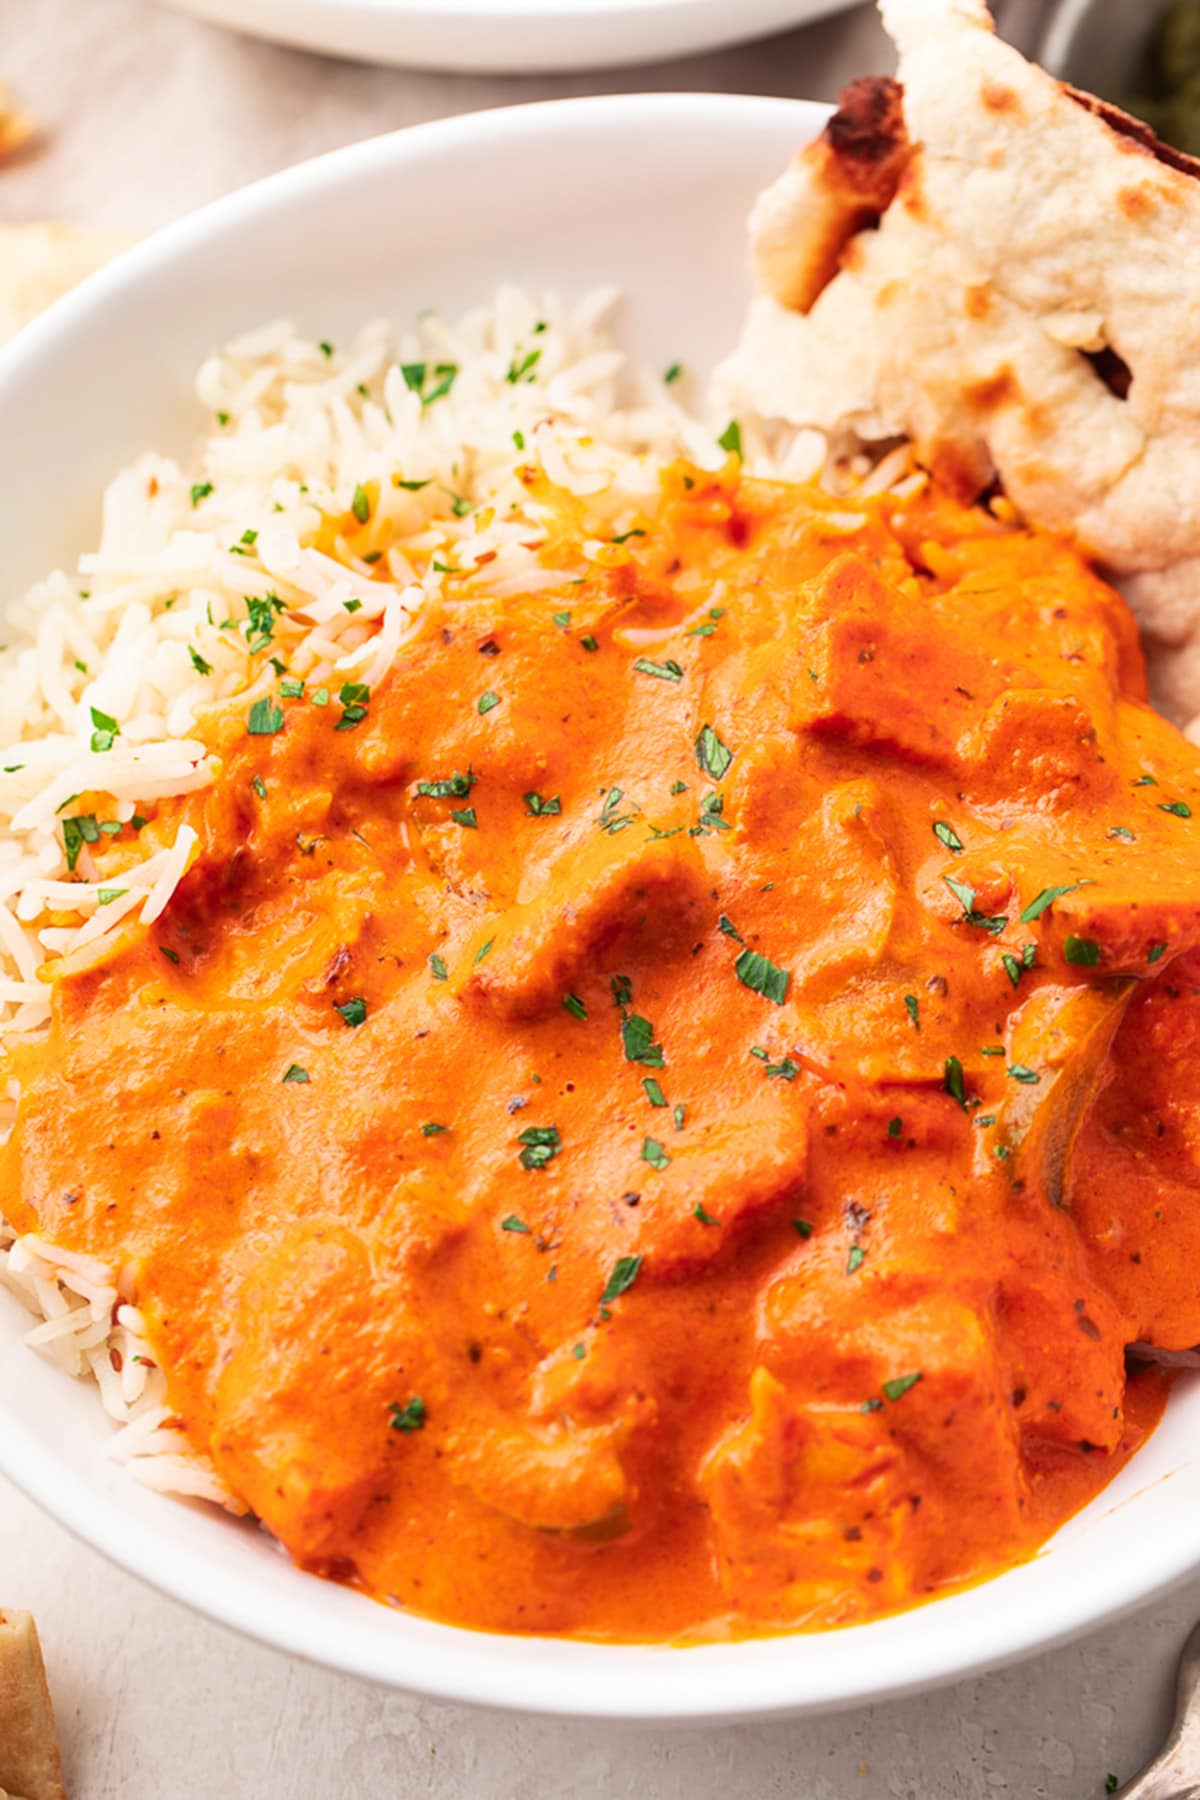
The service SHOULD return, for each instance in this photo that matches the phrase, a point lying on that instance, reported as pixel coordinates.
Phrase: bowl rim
(957, 1635)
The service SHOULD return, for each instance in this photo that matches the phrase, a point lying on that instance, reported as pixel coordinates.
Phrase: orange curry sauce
(683, 1145)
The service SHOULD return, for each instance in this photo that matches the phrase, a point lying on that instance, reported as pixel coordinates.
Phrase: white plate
(510, 37)
(650, 192)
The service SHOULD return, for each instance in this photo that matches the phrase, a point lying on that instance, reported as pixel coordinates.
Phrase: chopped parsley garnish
(624, 1274)
(512, 1223)
(294, 1072)
(912, 1007)
(623, 537)
(946, 834)
(409, 1417)
(172, 956)
(438, 967)
(1019, 1072)
(762, 976)
(542, 1144)
(612, 819)
(654, 1093)
(1047, 897)
(965, 896)
(678, 787)
(895, 1127)
(353, 1011)
(352, 606)
(712, 809)
(705, 1218)
(432, 1129)
(665, 671)
(673, 373)
(654, 1154)
(265, 718)
(1013, 968)
(105, 730)
(622, 991)
(1156, 952)
(1179, 808)
(1121, 831)
(588, 641)
(899, 1386)
(1083, 951)
(952, 1081)
(200, 491)
(561, 619)
(539, 808)
(731, 438)
(575, 1006)
(411, 487)
(453, 787)
(429, 382)
(360, 505)
(786, 1070)
(637, 1041)
(353, 697)
(325, 347)
(1145, 781)
(488, 701)
(198, 663)
(106, 895)
(729, 928)
(711, 754)
(856, 1258)
(465, 817)
(78, 831)
(802, 1228)
(483, 950)
(524, 369)
(680, 1117)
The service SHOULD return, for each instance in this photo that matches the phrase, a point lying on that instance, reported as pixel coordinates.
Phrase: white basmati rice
(108, 671)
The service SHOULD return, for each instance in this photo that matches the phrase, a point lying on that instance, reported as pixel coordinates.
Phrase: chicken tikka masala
(666, 1117)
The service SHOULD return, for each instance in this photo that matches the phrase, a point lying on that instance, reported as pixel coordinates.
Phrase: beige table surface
(146, 115)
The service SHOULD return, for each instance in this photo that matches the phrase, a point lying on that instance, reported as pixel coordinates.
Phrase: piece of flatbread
(40, 262)
(29, 1761)
(1025, 307)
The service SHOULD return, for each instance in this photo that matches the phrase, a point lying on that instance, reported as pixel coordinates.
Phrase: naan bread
(1024, 306)
(29, 1761)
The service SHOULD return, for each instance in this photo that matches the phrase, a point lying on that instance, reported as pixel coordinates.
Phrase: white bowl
(648, 191)
(510, 37)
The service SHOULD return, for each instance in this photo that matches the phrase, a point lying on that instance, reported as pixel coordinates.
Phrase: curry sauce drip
(668, 1120)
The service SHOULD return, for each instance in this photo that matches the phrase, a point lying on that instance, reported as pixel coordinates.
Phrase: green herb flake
(730, 439)
(899, 1386)
(1084, 952)
(965, 895)
(762, 976)
(1179, 808)
(265, 718)
(106, 895)
(624, 1274)
(856, 1259)
(409, 1417)
(952, 1081)
(654, 1093)
(353, 1011)
(712, 757)
(729, 928)
(171, 955)
(542, 1144)
(465, 817)
(802, 1228)
(637, 1041)
(589, 642)
(575, 1006)
(105, 730)
(523, 370)
(705, 1218)
(621, 989)
(432, 1129)
(360, 505)
(679, 1115)
(665, 671)
(1038, 905)
(537, 807)
(912, 1007)
(483, 950)
(1019, 1072)
(946, 834)
(1121, 831)
(895, 1127)
(200, 491)
(672, 373)
(487, 701)
(654, 1154)
(1156, 952)
(294, 1072)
